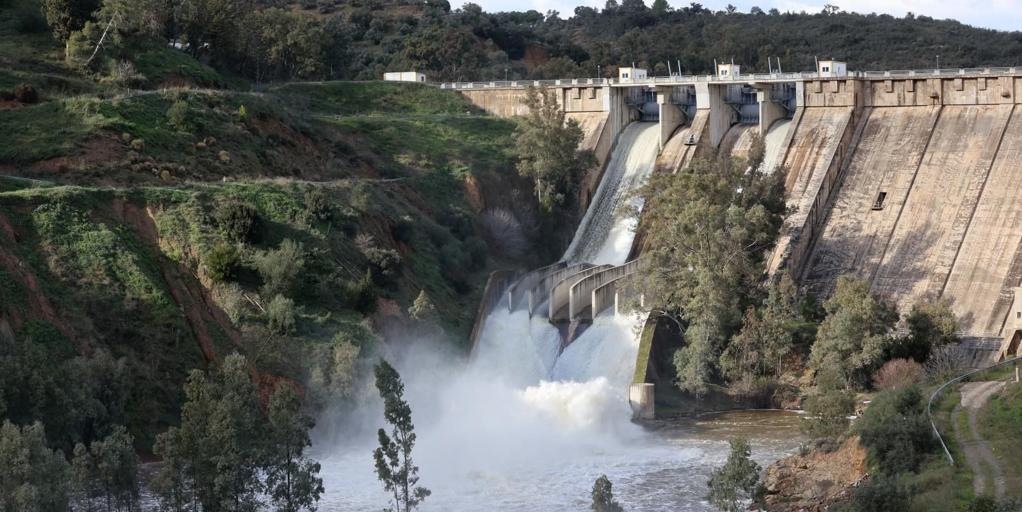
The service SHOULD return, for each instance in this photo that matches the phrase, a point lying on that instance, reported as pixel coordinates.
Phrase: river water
(521, 427)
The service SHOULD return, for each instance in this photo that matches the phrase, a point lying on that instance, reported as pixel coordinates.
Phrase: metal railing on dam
(745, 78)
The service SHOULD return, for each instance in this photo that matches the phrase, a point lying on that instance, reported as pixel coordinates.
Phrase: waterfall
(522, 425)
(523, 350)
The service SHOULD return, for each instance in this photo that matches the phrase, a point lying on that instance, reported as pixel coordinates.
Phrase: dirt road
(978, 454)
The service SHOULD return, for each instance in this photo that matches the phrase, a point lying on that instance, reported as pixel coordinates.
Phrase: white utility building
(404, 76)
(832, 68)
(629, 74)
(729, 71)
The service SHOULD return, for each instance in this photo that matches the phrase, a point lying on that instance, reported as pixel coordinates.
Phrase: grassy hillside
(1000, 423)
(156, 230)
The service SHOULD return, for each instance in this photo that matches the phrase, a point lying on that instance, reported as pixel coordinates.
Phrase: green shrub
(827, 413)
(360, 294)
(280, 315)
(26, 93)
(317, 205)
(179, 116)
(477, 251)
(881, 494)
(386, 261)
(238, 222)
(895, 432)
(280, 268)
(221, 262)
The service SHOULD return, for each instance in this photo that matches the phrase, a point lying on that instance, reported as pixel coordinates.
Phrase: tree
(107, 470)
(422, 309)
(280, 268)
(882, 493)
(292, 480)
(393, 458)
(898, 373)
(279, 43)
(603, 496)
(445, 53)
(855, 335)
(931, 325)
(215, 456)
(68, 16)
(704, 254)
(769, 334)
(737, 481)
(32, 477)
(826, 413)
(547, 149)
(280, 315)
(210, 25)
(947, 362)
(895, 432)
(114, 21)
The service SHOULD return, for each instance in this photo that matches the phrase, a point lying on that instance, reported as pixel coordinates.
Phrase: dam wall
(855, 235)
(909, 180)
(814, 159)
(591, 106)
(930, 206)
(946, 190)
(989, 264)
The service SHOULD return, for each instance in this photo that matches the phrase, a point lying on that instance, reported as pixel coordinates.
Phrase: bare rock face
(816, 481)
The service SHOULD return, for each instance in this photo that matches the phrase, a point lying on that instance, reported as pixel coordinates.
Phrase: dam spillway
(905, 179)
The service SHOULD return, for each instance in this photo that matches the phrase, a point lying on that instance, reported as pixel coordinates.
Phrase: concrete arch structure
(560, 294)
(604, 297)
(580, 296)
(540, 291)
(517, 291)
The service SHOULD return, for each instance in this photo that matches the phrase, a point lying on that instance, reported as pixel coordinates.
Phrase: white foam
(605, 235)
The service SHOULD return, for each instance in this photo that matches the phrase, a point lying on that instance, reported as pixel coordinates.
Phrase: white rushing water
(605, 235)
(521, 428)
(774, 144)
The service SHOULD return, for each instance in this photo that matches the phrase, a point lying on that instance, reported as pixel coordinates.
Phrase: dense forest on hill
(266, 40)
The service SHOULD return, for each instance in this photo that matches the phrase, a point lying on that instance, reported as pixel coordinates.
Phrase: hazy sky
(998, 14)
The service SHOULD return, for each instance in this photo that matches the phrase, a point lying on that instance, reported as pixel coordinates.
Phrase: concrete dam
(909, 180)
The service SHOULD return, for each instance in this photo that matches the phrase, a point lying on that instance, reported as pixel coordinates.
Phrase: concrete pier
(640, 398)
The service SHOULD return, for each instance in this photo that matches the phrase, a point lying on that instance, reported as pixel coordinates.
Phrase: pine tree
(737, 482)
(215, 456)
(292, 479)
(107, 470)
(393, 458)
(548, 149)
(32, 476)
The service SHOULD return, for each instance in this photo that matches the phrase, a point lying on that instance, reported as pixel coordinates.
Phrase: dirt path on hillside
(978, 454)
